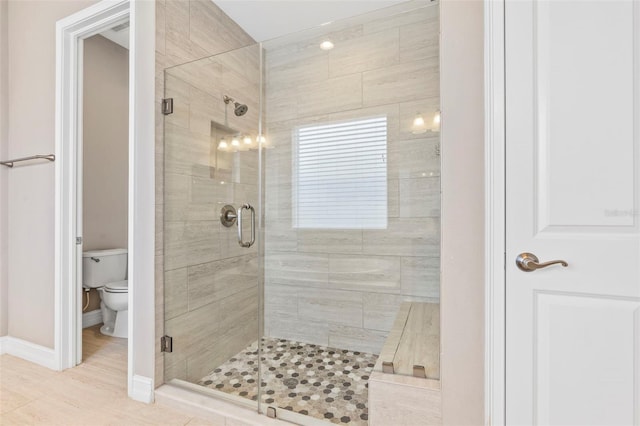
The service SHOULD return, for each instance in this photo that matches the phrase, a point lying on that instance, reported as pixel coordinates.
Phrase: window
(340, 175)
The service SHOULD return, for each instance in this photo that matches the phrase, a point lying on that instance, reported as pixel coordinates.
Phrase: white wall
(105, 144)
(462, 290)
(3, 170)
(30, 201)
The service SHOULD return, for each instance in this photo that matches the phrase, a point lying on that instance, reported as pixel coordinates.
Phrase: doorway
(103, 169)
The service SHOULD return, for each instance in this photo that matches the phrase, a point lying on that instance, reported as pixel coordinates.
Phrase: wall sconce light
(419, 125)
(264, 143)
(235, 143)
(436, 122)
(242, 143)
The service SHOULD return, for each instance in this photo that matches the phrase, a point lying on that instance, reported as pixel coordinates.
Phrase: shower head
(240, 109)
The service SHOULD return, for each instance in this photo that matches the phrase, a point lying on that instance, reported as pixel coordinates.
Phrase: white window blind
(340, 175)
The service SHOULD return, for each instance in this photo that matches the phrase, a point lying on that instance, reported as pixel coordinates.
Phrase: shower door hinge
(167, 106)
(271, 412)
(166, 344)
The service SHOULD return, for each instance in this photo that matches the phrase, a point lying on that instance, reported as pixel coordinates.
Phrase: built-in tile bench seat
(404, 387)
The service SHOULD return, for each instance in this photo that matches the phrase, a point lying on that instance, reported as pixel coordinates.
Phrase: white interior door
(573, 189)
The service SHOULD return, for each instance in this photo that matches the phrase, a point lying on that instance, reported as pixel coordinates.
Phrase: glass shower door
(352, 209)
(211, 259)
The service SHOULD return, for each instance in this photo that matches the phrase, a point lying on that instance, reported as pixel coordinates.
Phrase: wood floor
(93, 393)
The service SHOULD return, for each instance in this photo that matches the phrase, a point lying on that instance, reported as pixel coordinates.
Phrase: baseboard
(91, 318)
(142, 389)
(28, 351)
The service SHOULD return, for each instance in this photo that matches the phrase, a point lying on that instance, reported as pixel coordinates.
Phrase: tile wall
(186, 251)
(342, 287)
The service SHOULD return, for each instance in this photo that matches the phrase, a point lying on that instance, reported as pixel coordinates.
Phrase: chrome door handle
(253, 226)
(529, 262)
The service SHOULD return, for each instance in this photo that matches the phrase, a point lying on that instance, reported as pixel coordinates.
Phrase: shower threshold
(325, 383)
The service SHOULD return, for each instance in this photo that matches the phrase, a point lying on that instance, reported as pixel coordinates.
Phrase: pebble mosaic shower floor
(326, 383)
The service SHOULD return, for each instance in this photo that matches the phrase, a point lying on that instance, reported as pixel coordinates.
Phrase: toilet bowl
(114, 306)
(106, 271)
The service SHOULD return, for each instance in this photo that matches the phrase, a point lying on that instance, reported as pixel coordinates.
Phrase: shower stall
(302, 208)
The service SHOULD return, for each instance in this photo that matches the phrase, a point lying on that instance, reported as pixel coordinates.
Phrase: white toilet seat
(117, 287)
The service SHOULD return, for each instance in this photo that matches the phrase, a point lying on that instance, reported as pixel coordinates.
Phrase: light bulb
(247, 140)
(418, 126)
(326, 45)
(223, 146)
(264, 143)
(235, 143)
(436, 122)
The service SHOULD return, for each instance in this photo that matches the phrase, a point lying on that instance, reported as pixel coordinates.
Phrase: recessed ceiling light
(326, 45)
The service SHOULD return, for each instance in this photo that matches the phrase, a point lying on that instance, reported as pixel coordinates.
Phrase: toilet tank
(100, 267)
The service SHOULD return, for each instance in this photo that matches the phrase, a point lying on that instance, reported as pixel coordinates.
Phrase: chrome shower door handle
(253, 226)
(529, 262)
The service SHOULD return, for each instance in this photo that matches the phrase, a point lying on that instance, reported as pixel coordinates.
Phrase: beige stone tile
(335, 94)
(356, 338)
(420, 197)
(192, 332)
(191, 243)
(214, 281)
(366, 53)
(403, 405)
(365, 273)
(399, 83)
(160, 26)
(404, 237)
(281, 102)
(287, 326)
(333, 306)
(421, 276)
(393, 197)
(202, 30)
(425, 11)
(175, 292)
(204, 109)
(278, 205)
(180, 91)
(281, 300)
(420, 40)
(329, 240)
(280, 235)
(176, 370)
(296, 268)
(204, 74)
(176, 197)
(380, 310)
(187, 153)
(414, 158)
(291, 66)
(227, 343)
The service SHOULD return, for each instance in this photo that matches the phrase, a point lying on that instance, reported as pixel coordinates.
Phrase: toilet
(106, 271)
